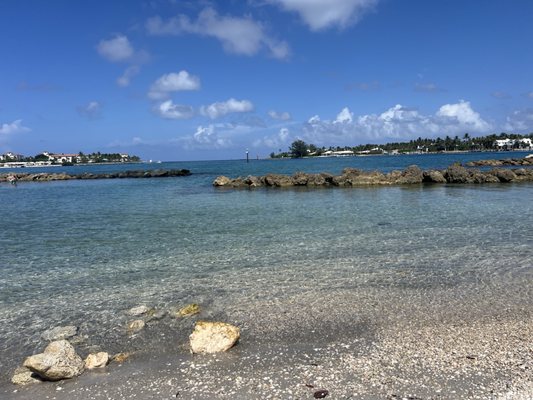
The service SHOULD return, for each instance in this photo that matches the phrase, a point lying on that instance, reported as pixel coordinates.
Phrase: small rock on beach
(213, 337)
(58, 361)
(97, 360)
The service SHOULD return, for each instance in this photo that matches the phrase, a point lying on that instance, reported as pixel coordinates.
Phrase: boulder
(24, 376)
(222, 181)
(58, 361)
(59, 333)
(253, 181)
(213, 337)
(433, 176)
(300, 179)
(278, 180)
(136, 326)
(503, 175)
(457, 174)
(97, 360)
(411, 175)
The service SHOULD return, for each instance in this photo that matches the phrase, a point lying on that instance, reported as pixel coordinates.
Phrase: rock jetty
(357, 178)
(47, 177)
(528, 161)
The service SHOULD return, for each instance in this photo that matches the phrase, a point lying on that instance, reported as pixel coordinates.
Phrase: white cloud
(237, 35)
(14, 127)
(168, 109)
(276, 141)
(463, 113)
(208, 137)
(322, 14)
(520, 121)
(220, 109)
(117, 49)
(344, 117)
(91, 110)
(397, 122)
(173, 82)
(282, 116)
(125, 79)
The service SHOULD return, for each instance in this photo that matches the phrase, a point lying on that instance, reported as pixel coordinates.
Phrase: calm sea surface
(82, 252)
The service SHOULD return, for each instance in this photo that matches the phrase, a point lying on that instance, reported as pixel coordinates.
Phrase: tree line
(299, 148)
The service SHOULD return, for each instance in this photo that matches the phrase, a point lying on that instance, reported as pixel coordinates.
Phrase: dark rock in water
(352, 177)
(45, 177)
(433, 176)
(412, 174)
(222, 181)
(503, 175)
(457, 174)
(320, 394)
(278, 180)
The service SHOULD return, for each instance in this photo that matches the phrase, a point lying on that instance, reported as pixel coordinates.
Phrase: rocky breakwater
(47, 177)
(526, 162)
(352, 177)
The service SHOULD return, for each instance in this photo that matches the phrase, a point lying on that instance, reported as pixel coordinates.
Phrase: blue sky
(187, 80)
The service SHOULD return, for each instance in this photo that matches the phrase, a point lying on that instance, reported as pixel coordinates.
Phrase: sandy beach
(376, 343)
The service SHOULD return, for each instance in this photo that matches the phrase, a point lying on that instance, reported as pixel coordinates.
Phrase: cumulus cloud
(277, 141)
(168, 109)
(173, 82)
(117, 49)
(323, 14)
(281, 116)
(398, 122)
(237, 35)
(520, 121)
(207, 137)
(14, 127)
(91, 110)
(344, 117)
(125, 79)
(220, 109)
(463, 114)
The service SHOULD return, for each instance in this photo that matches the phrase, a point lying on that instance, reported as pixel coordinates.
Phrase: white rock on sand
(58, 361)
(212, 337)
(97, 360)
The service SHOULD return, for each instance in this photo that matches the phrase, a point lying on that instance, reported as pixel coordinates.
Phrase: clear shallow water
(82, 252)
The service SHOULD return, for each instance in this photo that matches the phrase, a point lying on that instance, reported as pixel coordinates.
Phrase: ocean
(83, 252)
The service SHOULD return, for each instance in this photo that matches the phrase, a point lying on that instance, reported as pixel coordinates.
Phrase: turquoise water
(82, 252)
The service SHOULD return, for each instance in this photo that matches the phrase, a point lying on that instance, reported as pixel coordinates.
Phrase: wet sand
(356, 343)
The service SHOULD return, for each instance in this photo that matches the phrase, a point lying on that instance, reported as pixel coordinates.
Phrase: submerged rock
(24, 376)
(59, 333)
(136, 326)
(190, 309)
(213, 337)
(58, 361)
(139, 310)
(97, 360)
